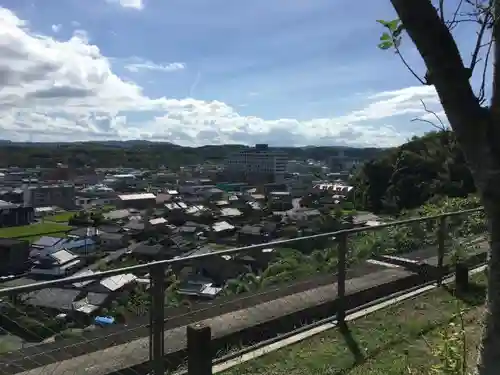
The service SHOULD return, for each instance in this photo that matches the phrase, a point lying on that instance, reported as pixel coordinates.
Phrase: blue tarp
(104, 320)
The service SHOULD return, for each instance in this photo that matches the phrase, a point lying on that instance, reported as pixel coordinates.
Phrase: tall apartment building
(259, 164)
(340, 162)
(60, 195)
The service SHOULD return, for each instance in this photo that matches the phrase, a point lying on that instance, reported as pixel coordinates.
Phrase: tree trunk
(478, 132)
(489, 349)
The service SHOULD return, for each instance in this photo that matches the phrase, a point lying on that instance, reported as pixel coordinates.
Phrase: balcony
(148, 318)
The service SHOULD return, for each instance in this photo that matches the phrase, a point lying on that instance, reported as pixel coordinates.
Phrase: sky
(197, 72)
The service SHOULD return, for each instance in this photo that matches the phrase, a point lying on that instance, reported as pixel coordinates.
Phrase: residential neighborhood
(109, 219)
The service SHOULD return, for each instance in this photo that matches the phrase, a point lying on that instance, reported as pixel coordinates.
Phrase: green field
(62, 217)
(31, 232)
(387, 342)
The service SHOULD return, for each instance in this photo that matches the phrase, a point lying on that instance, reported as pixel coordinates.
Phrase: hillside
(141, 154)
(405, 177)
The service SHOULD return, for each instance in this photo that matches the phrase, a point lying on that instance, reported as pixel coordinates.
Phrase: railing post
(199, 350)
(157, 315)
(441, 238)
(341, 276)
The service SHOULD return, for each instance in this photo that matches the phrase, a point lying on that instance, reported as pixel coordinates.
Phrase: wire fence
(132, 320)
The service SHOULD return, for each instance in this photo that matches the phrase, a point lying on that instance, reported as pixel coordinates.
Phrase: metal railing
(157, 272)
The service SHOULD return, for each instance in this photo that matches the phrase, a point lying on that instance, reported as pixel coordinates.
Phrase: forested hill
(142, 154)
(405, 177)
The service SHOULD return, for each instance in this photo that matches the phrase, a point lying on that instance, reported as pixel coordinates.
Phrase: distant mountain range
(147, 154)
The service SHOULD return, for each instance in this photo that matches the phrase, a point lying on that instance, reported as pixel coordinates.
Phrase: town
(55, 226)
(249, 188)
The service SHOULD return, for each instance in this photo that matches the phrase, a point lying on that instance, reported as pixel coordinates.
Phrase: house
(107, 285)
(61, 300)
(111, 229)
(59, 263)
(134, 226)
(113, 241)
(366, 219)
(137, 200)
(14, 256)
(80, 233)
(280, 200)
(219, 268)
(199, 288)
(84, 246)
(149, 252)
(46, 244)
(252, 234)
(177, 244)
(258, 260)
(222, 228)
(116, 215)
(213, 193)
(158, 223)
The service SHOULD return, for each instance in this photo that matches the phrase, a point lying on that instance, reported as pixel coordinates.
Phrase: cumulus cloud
(133, 4)
(66, 90)
(138, 64)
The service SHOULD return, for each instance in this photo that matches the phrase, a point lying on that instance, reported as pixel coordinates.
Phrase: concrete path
(137, 351)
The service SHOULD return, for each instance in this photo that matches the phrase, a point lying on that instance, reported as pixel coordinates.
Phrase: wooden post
(441, 238)
(157, 315)
(341, 276)
(199, 350)
(461, 277)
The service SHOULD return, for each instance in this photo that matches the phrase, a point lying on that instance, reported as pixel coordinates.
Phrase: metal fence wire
(133, 320)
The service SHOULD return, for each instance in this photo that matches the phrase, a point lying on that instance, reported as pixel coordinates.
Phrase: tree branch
(398, 52)
(479, 41)
(441, 126)
(451, 24)
(482, 91)
(441, 10)
(495, 99)
(445, 67)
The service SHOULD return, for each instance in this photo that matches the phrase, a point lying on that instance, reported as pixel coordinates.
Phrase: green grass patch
(62, 217)
(386, 342)
(34, 230)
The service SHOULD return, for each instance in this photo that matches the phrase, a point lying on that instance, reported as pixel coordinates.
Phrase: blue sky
(208, 71)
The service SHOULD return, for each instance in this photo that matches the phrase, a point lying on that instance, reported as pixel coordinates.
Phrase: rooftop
(137, 196)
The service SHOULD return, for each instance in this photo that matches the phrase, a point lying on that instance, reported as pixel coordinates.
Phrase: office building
(12, 215)
(60, 195)
(340, 162)
(257, 165)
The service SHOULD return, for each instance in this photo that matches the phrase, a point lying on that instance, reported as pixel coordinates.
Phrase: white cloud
(66, 90)
(56, 28)
(133, 4)
(140, 64)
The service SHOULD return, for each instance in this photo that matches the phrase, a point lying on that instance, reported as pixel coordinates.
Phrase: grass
(62, 217)
(382, 343)
(31, 231)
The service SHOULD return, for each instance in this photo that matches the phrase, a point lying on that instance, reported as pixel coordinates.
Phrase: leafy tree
(476, 124)
(409, 175)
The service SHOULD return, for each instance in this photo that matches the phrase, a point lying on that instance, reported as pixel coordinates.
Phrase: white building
(50, 195)
(259, 163)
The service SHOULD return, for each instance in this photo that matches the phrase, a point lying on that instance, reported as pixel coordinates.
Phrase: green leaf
(383, 23)
(393, 25)
(385, 45)
(385, 37)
